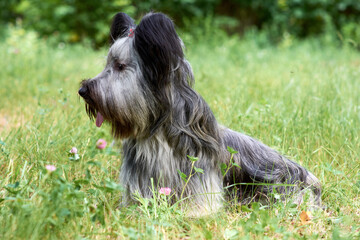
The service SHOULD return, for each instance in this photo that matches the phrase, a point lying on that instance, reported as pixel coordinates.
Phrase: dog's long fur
(145, 92)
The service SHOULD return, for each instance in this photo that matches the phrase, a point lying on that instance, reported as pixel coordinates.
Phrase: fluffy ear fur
(159, 48)
(120, 26)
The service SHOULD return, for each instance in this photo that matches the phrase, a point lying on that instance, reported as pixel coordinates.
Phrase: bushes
(68, 20)
(76, 20)
(299, 18)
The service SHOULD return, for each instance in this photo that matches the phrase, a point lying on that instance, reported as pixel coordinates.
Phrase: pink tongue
(99, 119)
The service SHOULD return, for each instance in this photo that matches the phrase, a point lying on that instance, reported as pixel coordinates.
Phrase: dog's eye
(120, 66)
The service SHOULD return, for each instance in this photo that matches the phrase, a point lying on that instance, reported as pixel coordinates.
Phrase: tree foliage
(76, 20)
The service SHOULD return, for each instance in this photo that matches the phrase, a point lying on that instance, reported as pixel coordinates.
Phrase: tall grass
(302, 99)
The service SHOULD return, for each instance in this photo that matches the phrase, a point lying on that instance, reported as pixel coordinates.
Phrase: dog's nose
(83, 91)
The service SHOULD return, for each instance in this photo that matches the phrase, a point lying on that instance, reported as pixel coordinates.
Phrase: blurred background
(73, 21)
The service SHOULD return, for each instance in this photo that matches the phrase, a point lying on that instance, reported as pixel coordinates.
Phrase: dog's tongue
(99, 119)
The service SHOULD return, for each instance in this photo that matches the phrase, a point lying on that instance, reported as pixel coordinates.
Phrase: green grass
(303, 100)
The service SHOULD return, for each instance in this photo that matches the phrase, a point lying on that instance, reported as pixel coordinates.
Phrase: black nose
(83, 91)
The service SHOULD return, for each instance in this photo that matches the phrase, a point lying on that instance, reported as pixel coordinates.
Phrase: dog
(145, 92)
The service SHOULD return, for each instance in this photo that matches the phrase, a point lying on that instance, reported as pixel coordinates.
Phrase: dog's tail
(261, 170)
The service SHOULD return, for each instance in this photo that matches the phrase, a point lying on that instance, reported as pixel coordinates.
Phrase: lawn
(301, 98)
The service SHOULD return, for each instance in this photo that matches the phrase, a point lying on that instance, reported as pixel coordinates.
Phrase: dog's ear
(158, 46)
(120, 26)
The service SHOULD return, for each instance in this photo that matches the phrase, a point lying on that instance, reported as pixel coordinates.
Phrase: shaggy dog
(145, 92)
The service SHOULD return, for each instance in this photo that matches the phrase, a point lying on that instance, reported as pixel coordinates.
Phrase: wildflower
(74, 156)
(101, 144)
(73, 150)
(50, 168)
(166, 191)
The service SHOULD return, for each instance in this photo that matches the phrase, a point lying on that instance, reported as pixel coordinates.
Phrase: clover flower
(101, 144)
(73, 150)
(166, 191)
(50, 168)
(73, 154)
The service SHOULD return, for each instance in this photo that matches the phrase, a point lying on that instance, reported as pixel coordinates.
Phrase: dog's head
(145, 63)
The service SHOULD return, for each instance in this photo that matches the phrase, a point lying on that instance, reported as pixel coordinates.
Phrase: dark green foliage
(300, 18)
(7, 10)
(179, 10)
(67, 20)
(76, 20)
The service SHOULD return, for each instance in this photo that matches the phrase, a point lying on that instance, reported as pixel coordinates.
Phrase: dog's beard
(91, 111)
(94, 114)
(121, 128)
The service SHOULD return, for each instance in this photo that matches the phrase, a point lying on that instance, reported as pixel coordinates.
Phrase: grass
(301, 99)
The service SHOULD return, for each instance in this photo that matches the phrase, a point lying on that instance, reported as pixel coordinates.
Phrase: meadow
(301, 98)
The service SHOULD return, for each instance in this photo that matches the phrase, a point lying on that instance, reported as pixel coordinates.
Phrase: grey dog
(145, 92)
